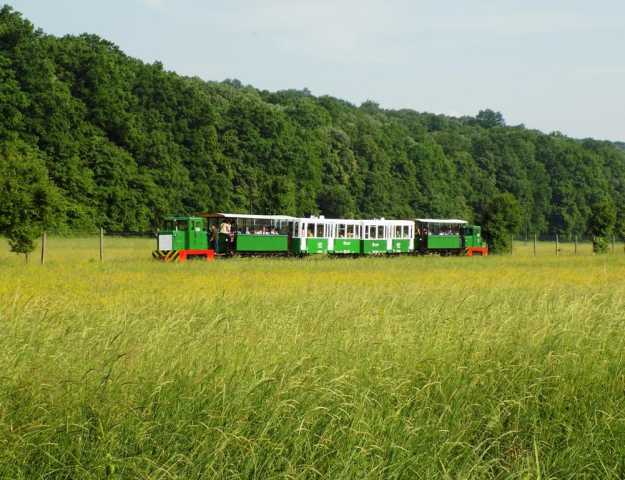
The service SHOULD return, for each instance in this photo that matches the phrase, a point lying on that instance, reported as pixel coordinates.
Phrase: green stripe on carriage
(373, 246)
(262, 243)
(313, 245)
(400, 245)
(443, 241)
(349, 246)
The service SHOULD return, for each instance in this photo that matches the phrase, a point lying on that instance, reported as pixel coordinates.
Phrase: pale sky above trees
(556, 65)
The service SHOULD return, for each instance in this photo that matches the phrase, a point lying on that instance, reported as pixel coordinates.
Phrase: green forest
(90, 137)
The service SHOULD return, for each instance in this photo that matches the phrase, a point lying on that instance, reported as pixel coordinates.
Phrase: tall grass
(497, 367)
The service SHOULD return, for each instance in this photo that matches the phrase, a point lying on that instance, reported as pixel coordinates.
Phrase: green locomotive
(228, 234)
(182, 237)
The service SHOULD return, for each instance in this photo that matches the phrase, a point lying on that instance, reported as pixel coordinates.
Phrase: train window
(341, 230)
(350, 231)
(182, 225)
(380, 231)
(320, 231)
(282, 228)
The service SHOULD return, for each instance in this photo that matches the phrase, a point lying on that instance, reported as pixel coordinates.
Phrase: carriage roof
(446, 221)
(246, 215)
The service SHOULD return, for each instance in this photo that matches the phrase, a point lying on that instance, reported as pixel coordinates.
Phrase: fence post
(44, 238)
(101, 244)
(557, 247)
(613, 242)
(534, 244)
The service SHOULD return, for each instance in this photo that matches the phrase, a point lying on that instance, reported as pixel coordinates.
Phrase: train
(211, 235)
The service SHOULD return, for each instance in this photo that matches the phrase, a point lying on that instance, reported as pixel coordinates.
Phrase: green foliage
(28, 202)
(601, 224)
(501, 219)
(336, 202)
(603, 218)
(489, 119)
(600, 245)
(125, 142)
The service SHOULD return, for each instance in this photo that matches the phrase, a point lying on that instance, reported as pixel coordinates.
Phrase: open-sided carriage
(241, 234)
(448, 237)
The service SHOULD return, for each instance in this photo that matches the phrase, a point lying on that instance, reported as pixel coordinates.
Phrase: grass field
(498, 367)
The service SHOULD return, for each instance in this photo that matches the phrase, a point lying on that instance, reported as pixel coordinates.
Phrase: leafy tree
(28, 202)
(601, 224)
(336, 202)
(489, 119)
(501, 219)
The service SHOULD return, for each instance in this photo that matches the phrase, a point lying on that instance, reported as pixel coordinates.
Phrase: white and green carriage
(316, 235)
(387, 236)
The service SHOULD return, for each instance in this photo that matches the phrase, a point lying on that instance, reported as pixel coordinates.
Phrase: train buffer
(183, 255)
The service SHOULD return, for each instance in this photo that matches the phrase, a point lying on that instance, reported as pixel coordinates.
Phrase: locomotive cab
(472, 235)
(182, 233)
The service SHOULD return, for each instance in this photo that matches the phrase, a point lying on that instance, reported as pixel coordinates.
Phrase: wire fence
(107, 245)
(562, 245)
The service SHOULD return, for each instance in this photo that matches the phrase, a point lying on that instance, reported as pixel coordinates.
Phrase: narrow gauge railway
(232, 234)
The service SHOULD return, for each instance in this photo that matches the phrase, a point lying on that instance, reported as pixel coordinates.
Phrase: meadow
(417, 367)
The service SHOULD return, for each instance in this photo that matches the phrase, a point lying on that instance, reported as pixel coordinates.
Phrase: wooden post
(613, 242)
(534, 244)
(575, 248)
(44, 238)
(557, 247)
(101, 244)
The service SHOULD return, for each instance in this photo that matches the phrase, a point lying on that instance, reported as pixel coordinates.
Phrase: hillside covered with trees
(90, 137)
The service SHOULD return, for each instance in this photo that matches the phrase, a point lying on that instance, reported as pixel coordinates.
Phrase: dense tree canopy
(123, 143)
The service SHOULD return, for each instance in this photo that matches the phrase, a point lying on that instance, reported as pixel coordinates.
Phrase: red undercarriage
(208, 254)
(483, 251)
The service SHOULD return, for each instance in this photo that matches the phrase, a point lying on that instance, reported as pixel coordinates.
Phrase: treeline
(91, 137)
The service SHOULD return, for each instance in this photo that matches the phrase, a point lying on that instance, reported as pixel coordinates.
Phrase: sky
(554, 65)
